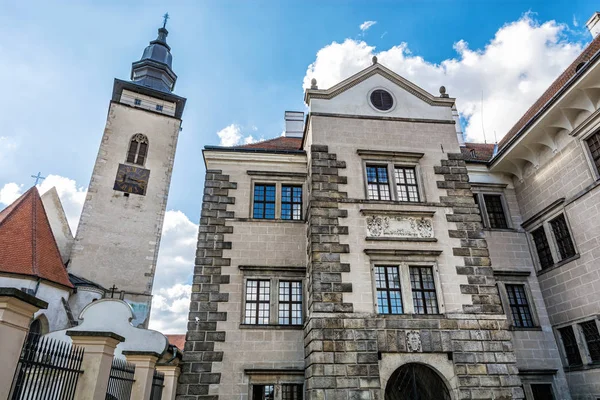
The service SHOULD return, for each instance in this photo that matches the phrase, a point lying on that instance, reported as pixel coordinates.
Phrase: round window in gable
(382, 99)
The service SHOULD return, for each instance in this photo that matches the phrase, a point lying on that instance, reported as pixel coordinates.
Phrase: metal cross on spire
(38, 177)
(165, 17)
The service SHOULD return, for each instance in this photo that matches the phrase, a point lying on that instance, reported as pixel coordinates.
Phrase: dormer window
(382, 99)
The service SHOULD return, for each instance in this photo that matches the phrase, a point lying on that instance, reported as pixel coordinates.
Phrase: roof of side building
(560, 82)
(478, 152)
(27, 244)
(279, 143)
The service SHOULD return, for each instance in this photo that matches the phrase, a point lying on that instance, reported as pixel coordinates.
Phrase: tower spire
(154, 69)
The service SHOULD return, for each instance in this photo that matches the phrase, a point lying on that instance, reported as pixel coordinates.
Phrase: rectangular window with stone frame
(570, 346)
(517, 300)
(392, 176)
(273, 296)
(551, 240)
(580, 343)
(493, 210)
(405, 289)
(275, 384)
(593, 144)
(277, 195)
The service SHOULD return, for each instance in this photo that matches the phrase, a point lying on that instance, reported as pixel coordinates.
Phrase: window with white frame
(273, 296)
(378, 184)
(552, 241)
(405, 289)
(580, 343)
(277, 200)
(392, 176)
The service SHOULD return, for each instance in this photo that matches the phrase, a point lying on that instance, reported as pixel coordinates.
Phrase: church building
(371, 253)
(123, 213)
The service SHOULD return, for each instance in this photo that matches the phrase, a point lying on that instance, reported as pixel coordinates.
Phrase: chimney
(294, 124)
(593, 24)
(459, 133)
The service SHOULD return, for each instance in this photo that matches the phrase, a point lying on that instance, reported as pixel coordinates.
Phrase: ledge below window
(585, 367)
(526, 329)
(277, 221)
(273, 327)
(558, 265)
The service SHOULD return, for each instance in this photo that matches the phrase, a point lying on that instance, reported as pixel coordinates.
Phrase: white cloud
(232, 135)
(71, 196)
(512, 71)
(366, 25)
(9, 193)
(575, 22)
(174, 271)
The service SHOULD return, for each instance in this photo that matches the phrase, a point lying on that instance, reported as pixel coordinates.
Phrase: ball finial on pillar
(374, 59)
(313, 84)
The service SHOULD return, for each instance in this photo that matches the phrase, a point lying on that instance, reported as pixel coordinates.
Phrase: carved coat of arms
(413, 341)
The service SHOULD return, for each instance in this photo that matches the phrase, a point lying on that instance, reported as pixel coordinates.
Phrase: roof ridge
(9, 210)
(262, 141)
(34, 257)
(531, 113)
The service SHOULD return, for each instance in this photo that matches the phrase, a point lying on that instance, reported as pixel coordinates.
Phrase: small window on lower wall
(389, 297)
(592, 339)
(542, 391)
(263, 392)
(423, 290)
(257, 302)
(291, 391)
(519, 306)
(569, 341)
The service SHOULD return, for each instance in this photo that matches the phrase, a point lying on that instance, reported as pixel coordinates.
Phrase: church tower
(119, 232)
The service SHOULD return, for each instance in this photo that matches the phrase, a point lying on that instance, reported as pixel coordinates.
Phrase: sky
(241, 64)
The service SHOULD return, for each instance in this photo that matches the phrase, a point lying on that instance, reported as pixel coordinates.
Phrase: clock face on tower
(132, 179)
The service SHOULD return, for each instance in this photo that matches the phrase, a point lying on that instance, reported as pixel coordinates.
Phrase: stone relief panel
(399, 226)
(413, 341)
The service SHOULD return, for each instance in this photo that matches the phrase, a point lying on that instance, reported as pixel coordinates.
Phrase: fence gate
(47, 369)
(120, 380)
(157, 385)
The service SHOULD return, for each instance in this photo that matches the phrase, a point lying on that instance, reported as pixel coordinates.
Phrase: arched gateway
(416, 382)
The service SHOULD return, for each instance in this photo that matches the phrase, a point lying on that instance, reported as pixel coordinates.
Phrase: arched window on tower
(138, 149)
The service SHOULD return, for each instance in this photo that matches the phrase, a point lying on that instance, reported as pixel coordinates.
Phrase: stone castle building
(371, 253)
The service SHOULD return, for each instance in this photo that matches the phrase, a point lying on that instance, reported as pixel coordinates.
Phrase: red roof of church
(280, 143)
(177, 340)
(27, 244)
(554, 88)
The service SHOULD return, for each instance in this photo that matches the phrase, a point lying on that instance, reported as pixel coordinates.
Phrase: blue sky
(242, 64)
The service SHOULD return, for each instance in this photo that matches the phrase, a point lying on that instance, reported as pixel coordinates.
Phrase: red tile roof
(177, 341)
(27, 244)
(554, 88)
(280, 143)
(478, 151)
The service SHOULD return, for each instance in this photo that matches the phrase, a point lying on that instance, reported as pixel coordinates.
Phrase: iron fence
(47, 369)
(158, 380)
(120, 380)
